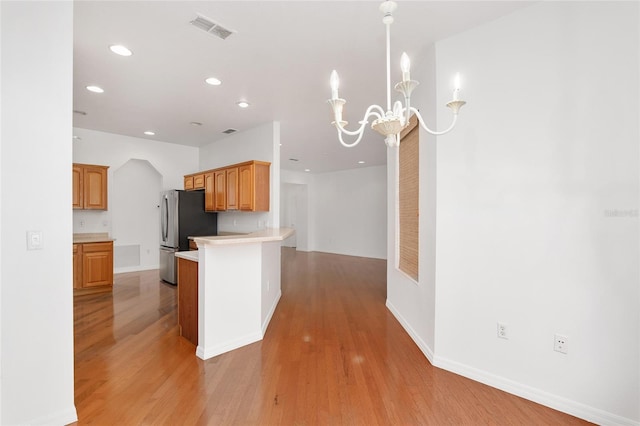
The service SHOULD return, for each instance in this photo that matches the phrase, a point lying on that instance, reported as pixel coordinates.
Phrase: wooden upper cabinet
(89, 187)
(243, 186)
(220, 178)
(78, 190)
(198, 181)
(194, 182)
(232, 188)
(209, 192)
(188, 183)
(254, 186)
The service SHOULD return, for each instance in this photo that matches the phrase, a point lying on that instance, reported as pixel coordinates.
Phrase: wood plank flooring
(333, 355)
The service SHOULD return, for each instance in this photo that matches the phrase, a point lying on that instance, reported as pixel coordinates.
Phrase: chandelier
(390, 123)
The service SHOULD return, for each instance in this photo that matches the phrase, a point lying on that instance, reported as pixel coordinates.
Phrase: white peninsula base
(238, 289)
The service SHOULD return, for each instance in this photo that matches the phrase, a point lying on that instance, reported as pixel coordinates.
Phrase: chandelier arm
(371, 111)
(424, 126)
(356, 142)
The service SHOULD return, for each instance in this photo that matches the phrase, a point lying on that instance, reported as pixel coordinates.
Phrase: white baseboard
(210, 352)
(267, 320)
(134, 269)
(422, 345)
(63, 417)
(547, 399)
(556, 402)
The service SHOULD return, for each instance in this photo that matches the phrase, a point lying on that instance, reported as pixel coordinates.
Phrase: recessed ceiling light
(120, 50)
(213, 81)
(243, 104)
(149, 133)
(195, 123)
(95, 89)
(307, 170)
(360, 162)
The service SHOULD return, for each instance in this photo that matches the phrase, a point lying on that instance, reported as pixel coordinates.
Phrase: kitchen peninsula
(238, 288)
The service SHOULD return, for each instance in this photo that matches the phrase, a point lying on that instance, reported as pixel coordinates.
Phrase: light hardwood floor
(333, 355)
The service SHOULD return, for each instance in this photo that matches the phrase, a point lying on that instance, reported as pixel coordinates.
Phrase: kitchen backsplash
(91, 221)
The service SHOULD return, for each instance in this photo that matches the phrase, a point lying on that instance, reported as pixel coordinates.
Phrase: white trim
(422, 345)
(267, 320)
(134, 269)
(63, 417)
(210, 352)
(556, 402)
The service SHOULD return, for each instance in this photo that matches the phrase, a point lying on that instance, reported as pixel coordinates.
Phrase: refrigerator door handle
(165, 219)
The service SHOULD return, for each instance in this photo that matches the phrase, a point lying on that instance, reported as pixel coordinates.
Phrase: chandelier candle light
(390, 123)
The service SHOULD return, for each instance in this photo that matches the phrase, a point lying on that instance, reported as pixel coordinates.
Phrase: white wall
(299, 185)
(135, 216)
(347, 210)
(413, 303)
(259, 143)
(170, 161)
(36, 286)
(537, 207)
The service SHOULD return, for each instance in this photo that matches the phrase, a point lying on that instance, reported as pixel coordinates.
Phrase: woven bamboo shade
(408, 197)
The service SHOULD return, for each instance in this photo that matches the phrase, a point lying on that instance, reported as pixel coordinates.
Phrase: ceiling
(279, 60)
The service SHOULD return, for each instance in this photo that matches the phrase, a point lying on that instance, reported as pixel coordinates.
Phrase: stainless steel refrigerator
(182, 215)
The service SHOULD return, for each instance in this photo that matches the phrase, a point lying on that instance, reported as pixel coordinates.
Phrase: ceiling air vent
(211, 27)
(229, 131)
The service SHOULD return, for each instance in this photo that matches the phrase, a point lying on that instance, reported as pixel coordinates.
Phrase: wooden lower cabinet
(188, 299)
(77, 266)
(93, 267)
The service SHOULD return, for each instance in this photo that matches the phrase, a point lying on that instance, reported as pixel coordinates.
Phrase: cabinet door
(77, 266)
(209, 192)
(198, 181)
(232, 188)
(188, 183)
(188, 299)
(78, 191)
(246, 191)
(95, 187)
(97, 264)
(220, 177)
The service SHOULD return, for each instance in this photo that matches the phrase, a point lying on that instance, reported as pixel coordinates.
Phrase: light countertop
(263, 235)
(191, 255)
(100, 237)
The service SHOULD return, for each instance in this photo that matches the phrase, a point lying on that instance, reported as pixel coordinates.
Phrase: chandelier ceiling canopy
(390, 122)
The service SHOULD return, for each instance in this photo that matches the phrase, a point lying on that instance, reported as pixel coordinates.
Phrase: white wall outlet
(560, 343)
(82, 224)
(503, 330)
(268, 285)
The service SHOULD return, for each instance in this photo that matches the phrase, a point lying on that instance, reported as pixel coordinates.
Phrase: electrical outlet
(503, 331)
(268, 285)
(560, 343)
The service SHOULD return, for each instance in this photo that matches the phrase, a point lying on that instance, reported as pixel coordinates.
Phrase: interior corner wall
(170, 161)
(537, 207)
(306, 243)
(411, 302)
(37, 300)
(350, 213)
(259, 143)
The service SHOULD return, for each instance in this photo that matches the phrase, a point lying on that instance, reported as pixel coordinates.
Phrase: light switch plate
(34, 240)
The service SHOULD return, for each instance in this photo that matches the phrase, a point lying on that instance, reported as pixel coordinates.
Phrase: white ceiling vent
(211, 27)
